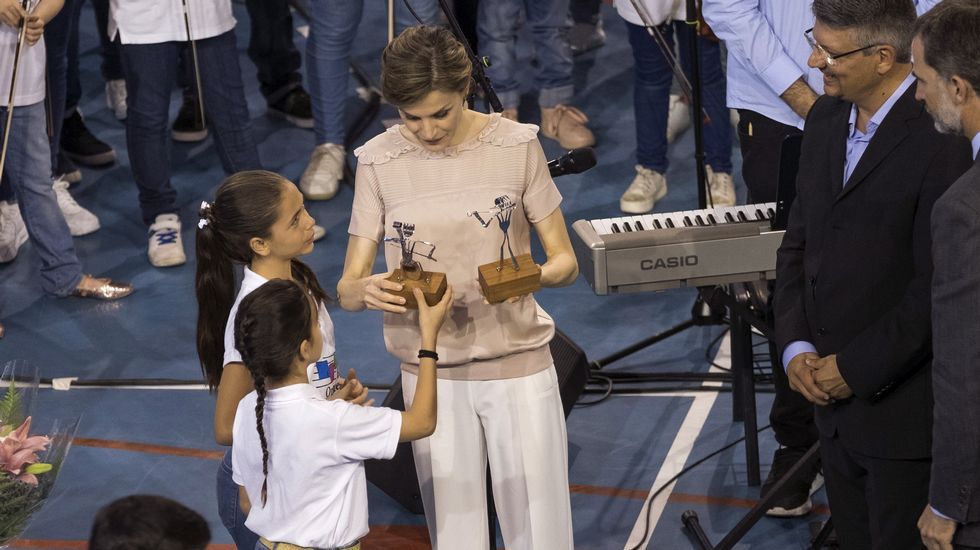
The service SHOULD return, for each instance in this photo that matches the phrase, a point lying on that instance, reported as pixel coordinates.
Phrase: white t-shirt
(156, 21)
(321, 374)
(317, 490)
(30, 74)
(658, 10)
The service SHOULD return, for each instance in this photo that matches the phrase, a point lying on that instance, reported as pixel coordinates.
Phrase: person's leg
(57, 34)
(898, 491)
(760, 139)
(150, 73)
(271, 48)
(466, 14)
(717, 135)
(586, 32)
(28, 169)
(847, 483)
(651, 95)
(528, 449)
(111, 57)
(225, 106)
(452, 466)
(74, 89)
(229, 509)
(333, 27)
(497, 24)
(427, 10)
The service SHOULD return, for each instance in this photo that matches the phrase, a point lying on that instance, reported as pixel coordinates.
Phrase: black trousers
(271, 48)
(760, 138)
(875, 502)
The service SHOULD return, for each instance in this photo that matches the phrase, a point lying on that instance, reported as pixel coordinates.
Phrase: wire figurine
(408, 246)
(503, 209)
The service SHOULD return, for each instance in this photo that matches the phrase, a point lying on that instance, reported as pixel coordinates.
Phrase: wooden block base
(507, 282)
(433, 286)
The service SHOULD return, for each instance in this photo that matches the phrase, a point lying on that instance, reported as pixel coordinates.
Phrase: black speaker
(397, 477)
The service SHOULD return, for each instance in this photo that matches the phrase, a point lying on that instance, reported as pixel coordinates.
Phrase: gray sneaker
(721, 188)
(321, 179)
(165, 248)
(80, 221)
(13, 232)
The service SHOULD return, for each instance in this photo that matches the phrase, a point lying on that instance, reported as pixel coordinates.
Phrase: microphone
(572, 162)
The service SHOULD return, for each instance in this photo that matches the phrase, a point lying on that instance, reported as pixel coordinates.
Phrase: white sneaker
(165, 248)
(678, 118)
(648, 187)
(80, 221)
(322, 176)
(13, 232)
(115, 97)
(721, 188)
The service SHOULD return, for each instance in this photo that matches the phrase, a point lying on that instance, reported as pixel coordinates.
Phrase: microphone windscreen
(581, 159)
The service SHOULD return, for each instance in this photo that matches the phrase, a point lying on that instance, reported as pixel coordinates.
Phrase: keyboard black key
(729, 218)
(711, 219)
(669, 222)
(615, 228)
(626, 226)
(639, 226)
(742, 217)
(657, 224)
(699, 220)
(771, 213)
(687, 221)
(759, 215)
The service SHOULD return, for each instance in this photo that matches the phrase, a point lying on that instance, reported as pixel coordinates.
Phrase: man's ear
(960, 90)
(886, 58)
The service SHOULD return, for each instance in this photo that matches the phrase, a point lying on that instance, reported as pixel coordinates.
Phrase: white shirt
(321, 374)
(156, 21)
(317, 490)
(658, 10)
(30, 74)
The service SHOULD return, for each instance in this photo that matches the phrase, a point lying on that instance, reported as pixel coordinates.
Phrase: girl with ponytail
(311, 491)
(257, 221)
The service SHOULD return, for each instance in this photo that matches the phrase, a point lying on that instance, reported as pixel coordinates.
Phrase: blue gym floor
(160, 440)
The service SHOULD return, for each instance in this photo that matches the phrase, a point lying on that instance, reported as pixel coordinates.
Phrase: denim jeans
(333, 27)
(497, 26)
(150, 73)
(271, 48)
(28, 171)
(57, 39)
(651, 95)
(229, 510)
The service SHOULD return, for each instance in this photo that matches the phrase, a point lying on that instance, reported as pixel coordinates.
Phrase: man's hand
(828, 377)
(801, 378)
(937, 533)
(11, 12)
(800, 97)
(34, 29)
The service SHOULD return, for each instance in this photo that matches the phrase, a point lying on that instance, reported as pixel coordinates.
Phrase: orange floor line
(148, 448)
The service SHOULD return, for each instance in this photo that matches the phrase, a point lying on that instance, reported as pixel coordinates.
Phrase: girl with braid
(258, 221)
(305, 491)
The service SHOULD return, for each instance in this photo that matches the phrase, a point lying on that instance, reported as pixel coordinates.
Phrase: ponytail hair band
(204, 213)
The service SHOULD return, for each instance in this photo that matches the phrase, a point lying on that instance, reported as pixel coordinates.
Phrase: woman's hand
(34, 29)
(374, 293)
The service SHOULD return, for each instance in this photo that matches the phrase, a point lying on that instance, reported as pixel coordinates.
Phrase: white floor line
(677, 456)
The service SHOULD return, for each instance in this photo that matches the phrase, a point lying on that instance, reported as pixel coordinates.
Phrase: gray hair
(870, 22)
(950, 34)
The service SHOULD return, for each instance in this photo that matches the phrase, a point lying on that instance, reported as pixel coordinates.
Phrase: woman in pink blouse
(498, 390)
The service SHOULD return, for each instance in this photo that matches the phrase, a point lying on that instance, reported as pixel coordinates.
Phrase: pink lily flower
(18, 449)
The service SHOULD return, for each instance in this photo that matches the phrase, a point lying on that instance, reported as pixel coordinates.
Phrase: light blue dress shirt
(767, 51)
(857, 143)
(976, 145)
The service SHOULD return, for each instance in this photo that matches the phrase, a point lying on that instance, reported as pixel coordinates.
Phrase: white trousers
(519, 424)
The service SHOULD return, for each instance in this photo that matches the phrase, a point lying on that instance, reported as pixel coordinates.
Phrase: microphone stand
(197, 66)
(695, 48)
(479, 63)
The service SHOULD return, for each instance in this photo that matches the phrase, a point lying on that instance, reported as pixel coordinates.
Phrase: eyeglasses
(831, 59)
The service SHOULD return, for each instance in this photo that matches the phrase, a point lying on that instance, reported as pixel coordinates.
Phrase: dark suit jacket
(955, 484)
(854, 270)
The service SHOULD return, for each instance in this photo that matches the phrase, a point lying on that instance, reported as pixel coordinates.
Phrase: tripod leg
(823, 535)
(744, 394)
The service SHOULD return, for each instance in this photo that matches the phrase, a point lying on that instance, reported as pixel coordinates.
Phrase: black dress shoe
(81, 146)
(188, 127)
(295, 107)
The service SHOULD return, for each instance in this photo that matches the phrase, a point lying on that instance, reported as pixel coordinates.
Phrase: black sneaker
(81, 146)
(294, 107)
(66, 169)
(794, 500)
(188, 126)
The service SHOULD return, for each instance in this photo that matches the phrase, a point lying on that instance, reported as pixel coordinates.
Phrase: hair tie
(205, 215)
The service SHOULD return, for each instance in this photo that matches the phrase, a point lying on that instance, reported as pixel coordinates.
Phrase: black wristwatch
(423, 353)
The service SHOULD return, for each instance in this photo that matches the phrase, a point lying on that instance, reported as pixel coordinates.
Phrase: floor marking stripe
(677, 456)
(147, 448)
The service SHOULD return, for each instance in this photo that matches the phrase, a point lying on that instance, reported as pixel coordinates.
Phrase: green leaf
(38, 468)
(11, 408)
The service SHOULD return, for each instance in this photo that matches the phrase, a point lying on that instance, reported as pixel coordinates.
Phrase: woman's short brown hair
(421, 60)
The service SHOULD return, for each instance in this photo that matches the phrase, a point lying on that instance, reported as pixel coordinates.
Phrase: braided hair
(245, 206)
(272, 323)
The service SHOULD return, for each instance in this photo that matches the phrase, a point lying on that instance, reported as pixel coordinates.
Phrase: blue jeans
(271, 48)
(651, 95)
(28, 171)
(151, 70)
(229, 510)
(497, 27)
(62, 76)
(333, 27)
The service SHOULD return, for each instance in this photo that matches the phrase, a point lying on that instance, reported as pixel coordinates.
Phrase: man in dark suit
(945, 50)
(854, 270)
